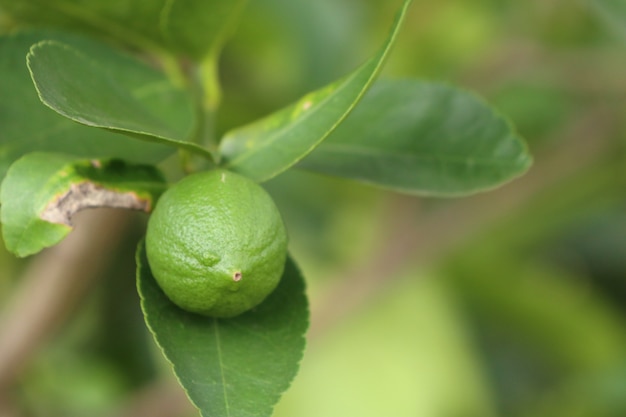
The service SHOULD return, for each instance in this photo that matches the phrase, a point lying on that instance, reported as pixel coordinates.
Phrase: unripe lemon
(216, 243)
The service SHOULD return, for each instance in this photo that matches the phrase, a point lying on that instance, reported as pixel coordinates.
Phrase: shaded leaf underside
(191, 28)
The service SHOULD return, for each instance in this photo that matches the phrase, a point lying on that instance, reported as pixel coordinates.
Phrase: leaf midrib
(377, 152)
(378, 61)
(279, 133)
(221, 365)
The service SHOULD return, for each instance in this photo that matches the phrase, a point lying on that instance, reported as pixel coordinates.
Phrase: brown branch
(7, 409)
(53, 285)
(163, 398)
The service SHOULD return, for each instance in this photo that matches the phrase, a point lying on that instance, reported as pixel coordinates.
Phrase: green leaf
(26, 125)
(613, 12)
(422, 138)
(266, 148)
(231, 367)
(198, 27)
(41, 192)
(134, 23)
(189, 28)
(77, 87)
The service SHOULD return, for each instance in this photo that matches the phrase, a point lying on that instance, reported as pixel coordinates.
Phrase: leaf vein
(374, 152)
(221, 365)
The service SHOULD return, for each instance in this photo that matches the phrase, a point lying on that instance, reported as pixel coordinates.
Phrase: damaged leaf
(42, 191)
(88, 195)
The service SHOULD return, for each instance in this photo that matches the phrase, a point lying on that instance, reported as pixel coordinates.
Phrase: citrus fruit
(216, 243)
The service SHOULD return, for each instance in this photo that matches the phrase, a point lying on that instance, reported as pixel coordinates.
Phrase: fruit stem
(172, 67)
(186, 163)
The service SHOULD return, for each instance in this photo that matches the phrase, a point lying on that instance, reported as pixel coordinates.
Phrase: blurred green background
(509, 303)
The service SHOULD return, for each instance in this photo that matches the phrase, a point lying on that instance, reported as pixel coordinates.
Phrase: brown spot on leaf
(89, 195)
(237, 276)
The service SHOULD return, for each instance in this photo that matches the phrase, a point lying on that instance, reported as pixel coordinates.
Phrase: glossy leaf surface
(41, 192)
(613, 12)
(422, 138)
(230, 367)
(26, 125)
(266, 148)
(77, 86)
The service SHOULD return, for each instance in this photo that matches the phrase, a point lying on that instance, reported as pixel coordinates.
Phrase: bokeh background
(508, 303)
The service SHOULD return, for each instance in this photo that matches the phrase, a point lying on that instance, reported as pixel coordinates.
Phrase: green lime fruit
(216, 244)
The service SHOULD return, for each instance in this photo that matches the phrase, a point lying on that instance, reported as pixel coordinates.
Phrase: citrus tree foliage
(111, 88)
